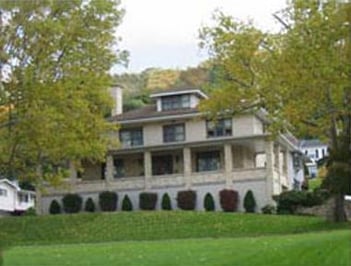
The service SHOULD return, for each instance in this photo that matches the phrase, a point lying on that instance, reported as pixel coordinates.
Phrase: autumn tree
(54, 63)
(301, 76)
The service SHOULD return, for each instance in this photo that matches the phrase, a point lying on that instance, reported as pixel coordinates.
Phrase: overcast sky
(164, 33)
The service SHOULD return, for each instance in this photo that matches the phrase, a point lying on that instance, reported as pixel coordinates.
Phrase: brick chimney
(116, 93)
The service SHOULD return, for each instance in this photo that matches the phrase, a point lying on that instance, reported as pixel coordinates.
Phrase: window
(23, 197)
(175, 102)
(118, 168)
(220, 128)
(208, 161)
(317, 154)
(173, 133)
(131, 137)
(162, 165)
(3, 192)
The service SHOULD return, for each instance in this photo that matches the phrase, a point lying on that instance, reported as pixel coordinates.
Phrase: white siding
(7, 203)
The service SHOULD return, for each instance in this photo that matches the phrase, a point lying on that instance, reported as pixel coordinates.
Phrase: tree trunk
(339, 209)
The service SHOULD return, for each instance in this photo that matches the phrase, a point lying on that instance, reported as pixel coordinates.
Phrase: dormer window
(175, 102)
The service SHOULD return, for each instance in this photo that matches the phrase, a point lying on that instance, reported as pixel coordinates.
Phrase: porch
(184, 167)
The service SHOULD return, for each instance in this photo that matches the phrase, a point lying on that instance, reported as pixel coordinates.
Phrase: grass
(322, 248)
(127, 226)
(174, 238)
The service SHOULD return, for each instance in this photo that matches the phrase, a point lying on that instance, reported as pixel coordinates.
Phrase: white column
(109, 168)
(279, 166)
(269, 149)
(228, 165)
(148, 169)
(187, 167)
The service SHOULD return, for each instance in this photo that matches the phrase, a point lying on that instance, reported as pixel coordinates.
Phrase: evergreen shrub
(72, 203)
(209, 204)
(147, 201)
(108, 201)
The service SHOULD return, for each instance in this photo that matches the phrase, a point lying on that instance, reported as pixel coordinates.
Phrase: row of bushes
(289, 201)
(186, 200)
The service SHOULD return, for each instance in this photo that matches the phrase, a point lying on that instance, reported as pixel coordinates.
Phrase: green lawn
(310, 249)
(122, 226)
(174, 238)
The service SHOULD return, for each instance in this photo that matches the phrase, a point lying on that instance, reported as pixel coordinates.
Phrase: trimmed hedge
(72, 203)
(108, 201)
(147, 201)
(55, 207)
(209, 204)
(186, 200)
(166, 202)
(127, 204)
(229, 200)
(89, 205)
(249, 202)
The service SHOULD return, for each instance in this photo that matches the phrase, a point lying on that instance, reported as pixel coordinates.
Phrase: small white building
(13, 198)
(314, 150)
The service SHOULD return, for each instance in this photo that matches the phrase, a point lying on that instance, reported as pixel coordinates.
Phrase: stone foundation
(325, 210)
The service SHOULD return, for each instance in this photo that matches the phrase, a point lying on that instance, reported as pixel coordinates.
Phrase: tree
(54, 63)
(300, 75)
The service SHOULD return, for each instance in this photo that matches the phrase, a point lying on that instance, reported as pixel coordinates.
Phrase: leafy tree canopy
(54, 63)
(301, 76)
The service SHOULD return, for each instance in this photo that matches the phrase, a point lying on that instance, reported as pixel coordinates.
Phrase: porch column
(228, 165)
(187, 167)
(285, 168)
(269, 149)
(72, 172)
(148, 169)
(279, 165)
(109, 168)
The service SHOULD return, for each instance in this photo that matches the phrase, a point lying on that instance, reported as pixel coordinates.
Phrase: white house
(170, 146)
(314, 150)
(13, 198)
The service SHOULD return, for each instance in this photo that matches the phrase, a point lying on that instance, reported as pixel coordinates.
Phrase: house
(13, 199)
(169, 146)
(314, 148)
(314, 151)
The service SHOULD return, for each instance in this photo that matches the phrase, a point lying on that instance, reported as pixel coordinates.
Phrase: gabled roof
(12, 184)
(306, 143)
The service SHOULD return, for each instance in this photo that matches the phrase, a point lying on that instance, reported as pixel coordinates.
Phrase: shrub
(249, 202)
(108, 201)
(288, 201)
(55, 207)
(209, 204)
(147, 201)
(186, 199)
(229, 200)
(166, 202)
(72, 203)
(127, 204)
(89, 205)
(268, 209)
(30, 212)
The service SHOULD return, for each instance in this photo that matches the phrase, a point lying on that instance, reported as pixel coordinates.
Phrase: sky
(164, 33)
